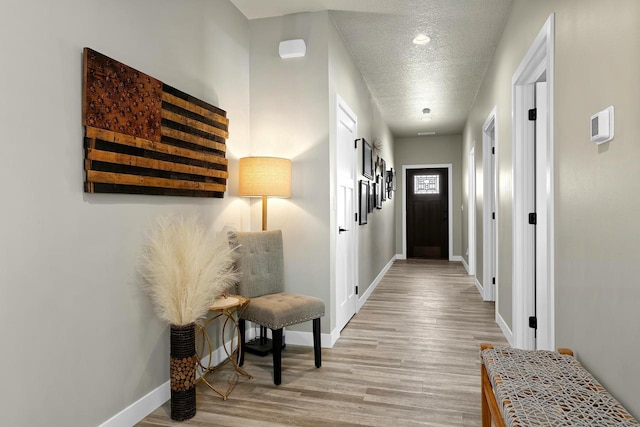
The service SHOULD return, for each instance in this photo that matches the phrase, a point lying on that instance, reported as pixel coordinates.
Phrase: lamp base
(261, 346)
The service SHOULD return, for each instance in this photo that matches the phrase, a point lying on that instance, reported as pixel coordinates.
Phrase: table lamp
(265, 177)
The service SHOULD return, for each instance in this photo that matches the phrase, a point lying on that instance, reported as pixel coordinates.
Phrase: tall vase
(183, 372)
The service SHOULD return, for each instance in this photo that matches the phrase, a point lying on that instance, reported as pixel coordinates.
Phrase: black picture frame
(372, 194)
(363, 202)
(378, 191)
(383, 179)
(367, 159)
(391, 175)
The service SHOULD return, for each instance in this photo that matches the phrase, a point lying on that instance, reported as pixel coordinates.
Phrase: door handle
(342, 230)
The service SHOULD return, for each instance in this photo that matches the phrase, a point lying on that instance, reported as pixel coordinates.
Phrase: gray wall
(289, 118)
(376, 239)
(597, 263)
(293, 115)
(437, 149)
(81, 341)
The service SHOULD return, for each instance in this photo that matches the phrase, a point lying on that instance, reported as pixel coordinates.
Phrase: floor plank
(410, 357)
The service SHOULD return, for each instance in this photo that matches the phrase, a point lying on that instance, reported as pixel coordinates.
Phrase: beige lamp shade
(265, 176)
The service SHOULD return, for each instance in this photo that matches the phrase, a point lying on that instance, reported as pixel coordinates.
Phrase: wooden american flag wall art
(143, 136)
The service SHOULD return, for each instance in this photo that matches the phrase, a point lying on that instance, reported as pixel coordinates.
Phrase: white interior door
(489, 239)
(542, 181)
(471, 251)
(346, 297)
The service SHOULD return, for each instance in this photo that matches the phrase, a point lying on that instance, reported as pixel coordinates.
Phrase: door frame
(449, 167)
(342, 105)
(539, 61)
(471, 203)
(490, 194)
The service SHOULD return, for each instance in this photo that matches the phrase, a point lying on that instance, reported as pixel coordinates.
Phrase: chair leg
(317, 348)
(241, 326)
(276, 336)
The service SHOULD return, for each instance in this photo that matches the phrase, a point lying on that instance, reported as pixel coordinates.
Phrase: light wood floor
(410, 357)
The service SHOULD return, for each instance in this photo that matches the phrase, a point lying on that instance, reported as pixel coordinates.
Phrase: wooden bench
(547, 388)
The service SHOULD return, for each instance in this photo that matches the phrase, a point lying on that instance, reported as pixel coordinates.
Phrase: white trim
(449, 167)
(400, 256)
(537, 62)
(142, 407)
(478, 285)
(300, 338)
(365, 296)
(504, 328)
(471, 215)
(457, 258)
(490, 176)
(464, 264)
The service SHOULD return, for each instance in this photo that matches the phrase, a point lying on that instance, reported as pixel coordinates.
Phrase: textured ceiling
(404, 78)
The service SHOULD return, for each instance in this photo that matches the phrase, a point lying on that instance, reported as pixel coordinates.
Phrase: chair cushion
(276, 311)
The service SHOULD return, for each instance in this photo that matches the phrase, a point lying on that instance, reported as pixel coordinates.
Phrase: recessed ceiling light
(421, 39)
(426, 133)
(426, 110)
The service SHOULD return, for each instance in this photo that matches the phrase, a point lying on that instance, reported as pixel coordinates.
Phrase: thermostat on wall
(602, 126)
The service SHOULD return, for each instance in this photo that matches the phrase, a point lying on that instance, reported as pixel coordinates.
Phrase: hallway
(408, 358)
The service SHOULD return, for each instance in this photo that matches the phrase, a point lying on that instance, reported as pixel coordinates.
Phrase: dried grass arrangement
(184, 268)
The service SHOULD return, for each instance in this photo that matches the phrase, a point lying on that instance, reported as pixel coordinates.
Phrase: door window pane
(426, 184)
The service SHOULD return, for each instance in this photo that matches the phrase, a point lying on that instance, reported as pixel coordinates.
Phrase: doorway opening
(433, 236)
(471, 250)
(490, 214)
(533, 198)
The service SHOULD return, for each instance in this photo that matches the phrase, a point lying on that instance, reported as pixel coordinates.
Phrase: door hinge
(533, 114)
(355, 143)
(493, 215)
(533, 218)
(533, 322)
(356, 290)
(356, 217)
(493, 280)
(493, 150)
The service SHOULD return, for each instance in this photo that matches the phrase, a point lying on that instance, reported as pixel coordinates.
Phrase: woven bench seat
(544, 388)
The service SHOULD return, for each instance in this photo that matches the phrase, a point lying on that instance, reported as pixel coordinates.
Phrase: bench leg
(486, 414)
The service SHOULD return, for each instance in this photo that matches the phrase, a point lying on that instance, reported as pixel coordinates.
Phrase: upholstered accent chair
(260, 262)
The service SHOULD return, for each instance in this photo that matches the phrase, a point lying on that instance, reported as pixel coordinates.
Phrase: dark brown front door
(427, 213)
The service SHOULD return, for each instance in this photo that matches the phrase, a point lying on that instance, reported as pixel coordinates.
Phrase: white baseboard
(297, 337)
(306, 338)
(457, 258)
(479, 286)
(504, 328)
(464, 264)
(401, 256)
(365, 296)
(139, 409)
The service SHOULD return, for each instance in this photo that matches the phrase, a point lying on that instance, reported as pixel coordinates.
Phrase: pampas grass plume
(184, 268)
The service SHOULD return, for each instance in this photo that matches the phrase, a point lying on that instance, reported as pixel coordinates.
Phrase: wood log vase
(183, 372)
